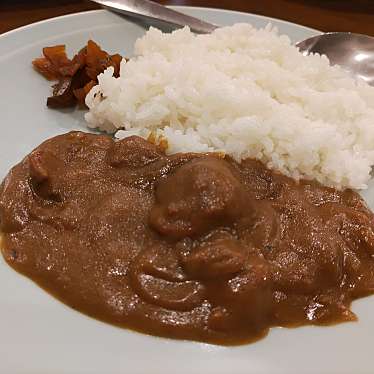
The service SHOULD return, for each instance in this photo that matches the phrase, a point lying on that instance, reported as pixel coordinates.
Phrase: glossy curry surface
(186, 246)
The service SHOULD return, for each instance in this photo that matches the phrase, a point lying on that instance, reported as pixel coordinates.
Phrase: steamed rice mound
(245, 92)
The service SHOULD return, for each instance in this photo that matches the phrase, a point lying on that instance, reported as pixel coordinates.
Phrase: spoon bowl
(353, 52)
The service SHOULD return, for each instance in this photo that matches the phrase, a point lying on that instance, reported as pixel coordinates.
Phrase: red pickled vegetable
(75, 77)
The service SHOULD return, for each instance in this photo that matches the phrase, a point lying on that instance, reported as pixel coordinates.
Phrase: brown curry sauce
(188, 246)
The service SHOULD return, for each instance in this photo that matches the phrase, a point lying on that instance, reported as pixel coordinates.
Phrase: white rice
(248, 93)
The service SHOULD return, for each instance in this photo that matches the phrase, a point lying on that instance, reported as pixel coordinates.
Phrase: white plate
(40, 335)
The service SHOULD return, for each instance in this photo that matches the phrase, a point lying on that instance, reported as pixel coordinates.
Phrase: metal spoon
(145, 9)
(353, 52)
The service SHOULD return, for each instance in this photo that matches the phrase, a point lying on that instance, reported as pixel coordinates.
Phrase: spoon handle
(150, 9)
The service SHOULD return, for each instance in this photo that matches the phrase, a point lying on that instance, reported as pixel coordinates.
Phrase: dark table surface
(325, 15)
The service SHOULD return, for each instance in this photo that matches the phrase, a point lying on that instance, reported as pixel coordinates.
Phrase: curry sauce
(191, 246)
